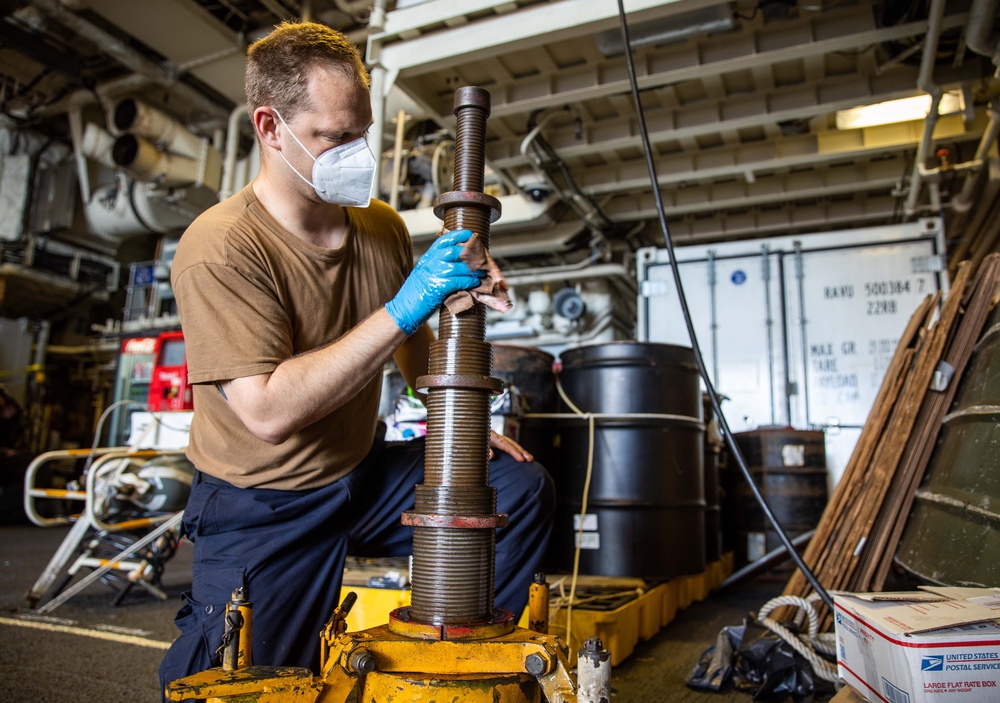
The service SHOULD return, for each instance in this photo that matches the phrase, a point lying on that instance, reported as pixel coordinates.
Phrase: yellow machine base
(620, 629)
(408, 688)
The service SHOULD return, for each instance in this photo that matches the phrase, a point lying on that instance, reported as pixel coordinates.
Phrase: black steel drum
(531, 371)
(645, 513)
(646, 506)
(632, 377)
(789, 467)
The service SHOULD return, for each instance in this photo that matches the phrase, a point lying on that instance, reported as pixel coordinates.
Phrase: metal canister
(593, 672)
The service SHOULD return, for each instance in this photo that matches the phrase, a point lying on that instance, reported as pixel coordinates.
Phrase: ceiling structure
(740, 100)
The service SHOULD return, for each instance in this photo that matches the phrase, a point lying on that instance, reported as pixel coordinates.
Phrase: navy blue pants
(288, 548)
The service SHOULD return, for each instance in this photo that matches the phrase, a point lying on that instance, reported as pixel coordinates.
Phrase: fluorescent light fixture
(902, 110)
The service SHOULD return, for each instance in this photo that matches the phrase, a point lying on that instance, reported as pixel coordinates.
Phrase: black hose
(723, 424)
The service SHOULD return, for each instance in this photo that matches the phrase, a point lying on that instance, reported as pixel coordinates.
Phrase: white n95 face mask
(342, 175)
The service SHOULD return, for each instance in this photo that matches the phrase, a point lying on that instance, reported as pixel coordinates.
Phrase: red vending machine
(168, 387)
(135, 370)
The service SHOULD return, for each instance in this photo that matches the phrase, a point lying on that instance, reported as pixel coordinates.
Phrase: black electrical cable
(713, 396)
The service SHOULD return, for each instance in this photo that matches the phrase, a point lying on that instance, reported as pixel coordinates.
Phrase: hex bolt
(535, 664)
(361, 661)
(593, 645)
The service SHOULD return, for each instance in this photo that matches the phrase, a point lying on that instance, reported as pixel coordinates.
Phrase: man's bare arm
(310, 386)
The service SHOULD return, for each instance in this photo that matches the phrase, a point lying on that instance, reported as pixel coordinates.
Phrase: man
(293, 294)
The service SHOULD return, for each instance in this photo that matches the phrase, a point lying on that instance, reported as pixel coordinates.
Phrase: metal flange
(401, 623)
(455, 198)
(470, 381)
(474, 522)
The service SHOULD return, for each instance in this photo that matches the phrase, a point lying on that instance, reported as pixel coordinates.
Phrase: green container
(952, 536)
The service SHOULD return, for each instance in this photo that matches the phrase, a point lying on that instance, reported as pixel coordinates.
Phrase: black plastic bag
(751, 658)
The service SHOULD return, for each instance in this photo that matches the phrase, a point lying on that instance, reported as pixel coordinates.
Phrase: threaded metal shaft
(453, 567)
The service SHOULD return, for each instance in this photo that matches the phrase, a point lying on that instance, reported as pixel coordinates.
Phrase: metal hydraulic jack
(451, 643)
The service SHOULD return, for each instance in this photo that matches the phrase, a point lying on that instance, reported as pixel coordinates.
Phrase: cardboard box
(847, 695)
(938, 645)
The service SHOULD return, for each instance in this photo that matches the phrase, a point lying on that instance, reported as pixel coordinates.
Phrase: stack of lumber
(857, 536)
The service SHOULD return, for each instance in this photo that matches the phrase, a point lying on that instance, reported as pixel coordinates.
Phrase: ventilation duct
(158, 149)
(145, 162)
(128, 208)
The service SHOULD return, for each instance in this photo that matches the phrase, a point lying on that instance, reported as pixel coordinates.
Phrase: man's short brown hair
(278, 65)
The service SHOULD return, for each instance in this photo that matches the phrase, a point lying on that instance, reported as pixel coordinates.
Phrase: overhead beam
(768, 191)
(797, 102)
(529, 27)
(855, 212)
(788, 153)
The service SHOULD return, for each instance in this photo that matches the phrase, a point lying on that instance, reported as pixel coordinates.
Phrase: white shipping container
(796, 331)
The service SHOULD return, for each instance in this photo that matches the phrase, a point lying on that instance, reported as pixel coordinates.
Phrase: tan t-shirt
(251, 295)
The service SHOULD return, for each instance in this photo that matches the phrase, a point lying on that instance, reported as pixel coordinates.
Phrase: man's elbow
(267, 430)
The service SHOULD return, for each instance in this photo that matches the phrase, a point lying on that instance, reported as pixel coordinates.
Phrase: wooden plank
(890, 450)
(831, 526)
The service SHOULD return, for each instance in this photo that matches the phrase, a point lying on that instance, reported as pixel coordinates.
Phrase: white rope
(807, 646)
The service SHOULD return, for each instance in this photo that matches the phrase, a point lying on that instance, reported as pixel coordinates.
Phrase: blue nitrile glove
(436, 275)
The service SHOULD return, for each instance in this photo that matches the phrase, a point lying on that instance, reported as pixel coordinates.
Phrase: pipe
(602, 325)
(97, 144)
(963, 202)
(619, 276)
(979, 36)
(233, 134)
(542, 270)
(134, 117)
(765, 263)
(144, 162)
(613, 271)
(397, 160)
(381, 82)
(127, 56)
(354, 8)
(925, 81)
(768, 561)
(105, 94)
(985, 214)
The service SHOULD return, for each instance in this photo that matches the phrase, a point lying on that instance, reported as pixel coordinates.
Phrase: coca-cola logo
(140, 345)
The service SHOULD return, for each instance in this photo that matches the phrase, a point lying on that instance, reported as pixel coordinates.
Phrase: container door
(735, 305)
(847, 308)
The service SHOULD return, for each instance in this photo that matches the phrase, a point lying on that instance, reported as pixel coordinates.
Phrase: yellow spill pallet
(620, 629)
(624, 627)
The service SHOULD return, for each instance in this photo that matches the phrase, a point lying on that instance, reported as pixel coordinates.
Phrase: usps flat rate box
(939, 645)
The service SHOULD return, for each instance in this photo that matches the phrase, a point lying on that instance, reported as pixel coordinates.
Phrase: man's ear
(265, 123)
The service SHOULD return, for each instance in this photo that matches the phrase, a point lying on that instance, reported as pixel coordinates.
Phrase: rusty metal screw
(453, 568)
